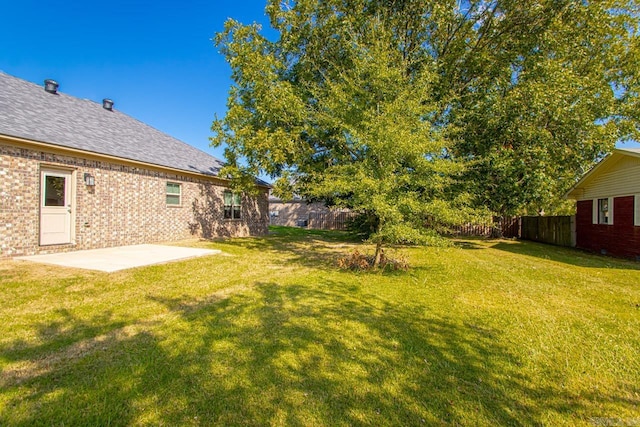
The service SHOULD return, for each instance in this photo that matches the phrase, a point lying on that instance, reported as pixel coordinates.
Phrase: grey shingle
(27, 111)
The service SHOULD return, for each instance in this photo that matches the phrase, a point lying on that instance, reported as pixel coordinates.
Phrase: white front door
(55, 206)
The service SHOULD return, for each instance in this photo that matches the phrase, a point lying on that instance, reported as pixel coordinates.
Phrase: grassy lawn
(484, 333)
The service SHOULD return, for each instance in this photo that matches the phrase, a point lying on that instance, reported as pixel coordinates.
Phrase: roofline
(628, 151)
(598, 166)
(99, 156)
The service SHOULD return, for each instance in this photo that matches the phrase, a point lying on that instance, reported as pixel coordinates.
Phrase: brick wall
(126, 206)
(619, 239)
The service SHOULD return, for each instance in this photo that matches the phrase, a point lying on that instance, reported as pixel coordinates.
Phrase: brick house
(75, 174)
(608, 205)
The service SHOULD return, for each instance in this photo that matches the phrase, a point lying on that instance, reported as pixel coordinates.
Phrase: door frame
(72, 173)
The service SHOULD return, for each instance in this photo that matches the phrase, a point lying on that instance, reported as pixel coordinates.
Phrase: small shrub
(361, 262)
(355, 261)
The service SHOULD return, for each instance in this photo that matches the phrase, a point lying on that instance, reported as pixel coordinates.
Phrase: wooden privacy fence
(467, 230)
(500, 227)
(556, 230)
(330, 220)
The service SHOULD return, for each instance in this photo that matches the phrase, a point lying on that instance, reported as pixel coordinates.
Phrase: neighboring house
(608, 205)
(75, 174)
(300, 213)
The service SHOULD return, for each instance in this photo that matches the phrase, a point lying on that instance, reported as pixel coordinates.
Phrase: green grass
(483, 333)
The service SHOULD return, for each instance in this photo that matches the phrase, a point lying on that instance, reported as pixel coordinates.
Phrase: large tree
(539, 91)
(342, 107)
(411, 110)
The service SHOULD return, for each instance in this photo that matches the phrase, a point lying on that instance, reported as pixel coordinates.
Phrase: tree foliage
(544, 89)
(413, 110)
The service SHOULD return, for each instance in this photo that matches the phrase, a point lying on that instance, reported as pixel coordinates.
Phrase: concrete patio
(121, 257)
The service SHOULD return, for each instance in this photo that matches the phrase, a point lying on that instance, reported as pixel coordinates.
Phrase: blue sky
(155, 59)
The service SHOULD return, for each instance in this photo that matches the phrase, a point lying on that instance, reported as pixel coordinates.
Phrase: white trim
(596, 211)
(179, 194)
(67, 210)
(611, 201)
(232, 206)
(636, 210)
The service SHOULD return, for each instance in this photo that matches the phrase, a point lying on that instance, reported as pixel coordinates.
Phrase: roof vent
(107, 104)
(51, 86)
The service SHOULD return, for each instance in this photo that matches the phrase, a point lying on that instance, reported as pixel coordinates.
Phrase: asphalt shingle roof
(27, 111)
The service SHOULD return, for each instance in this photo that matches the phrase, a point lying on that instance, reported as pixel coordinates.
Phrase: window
(604, 211)
(636, 220)
(174, 194)
(54, 190)
(231, 205)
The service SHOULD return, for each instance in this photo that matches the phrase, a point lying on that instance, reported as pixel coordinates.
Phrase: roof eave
(85, 153)
(573, 192)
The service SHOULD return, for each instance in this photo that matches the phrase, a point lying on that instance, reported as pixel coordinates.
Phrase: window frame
(636, 210)
(168, 194)
(59, 199)
(599, 214)
(233, 211)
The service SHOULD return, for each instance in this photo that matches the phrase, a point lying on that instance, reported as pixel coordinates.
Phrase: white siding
(621, 179)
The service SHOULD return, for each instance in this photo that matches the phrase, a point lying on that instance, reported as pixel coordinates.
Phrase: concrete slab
(121, 257)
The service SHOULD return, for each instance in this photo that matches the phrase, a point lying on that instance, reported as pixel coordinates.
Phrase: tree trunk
(376, 258)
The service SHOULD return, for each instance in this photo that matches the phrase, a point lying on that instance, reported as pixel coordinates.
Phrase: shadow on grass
(333, 235)
(468, 244)
(306, 247)
(290, 355)
(565, 255)
(60, 333)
